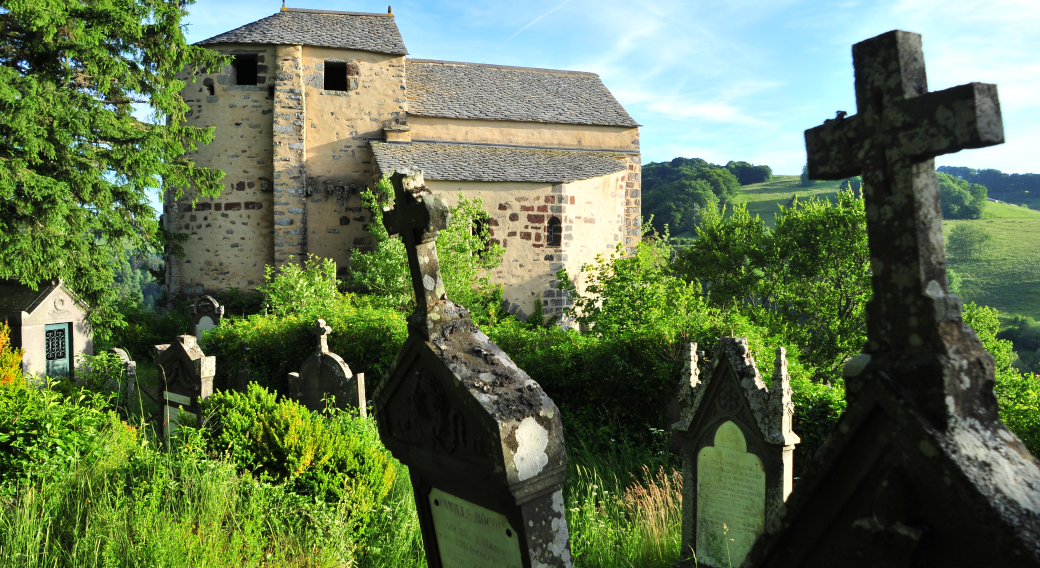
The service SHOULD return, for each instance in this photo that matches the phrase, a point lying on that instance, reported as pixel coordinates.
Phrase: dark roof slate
(463, 162)
(496, 92)
(321, 28)
(16, 297)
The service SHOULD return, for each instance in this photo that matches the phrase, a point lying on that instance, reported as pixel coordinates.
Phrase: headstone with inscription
(482, 441)
(737, 448)
(185, 377)
(919, 470)
(325, 373)
(206, 313)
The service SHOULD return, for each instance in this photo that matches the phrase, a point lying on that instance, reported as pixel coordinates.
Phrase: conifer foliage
(76, 164)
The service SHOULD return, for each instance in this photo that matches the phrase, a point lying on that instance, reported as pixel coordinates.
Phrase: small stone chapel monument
(324, 372)
(206, 313)
(483, 443)
(185, 378)
(737, 448)
(919, 471)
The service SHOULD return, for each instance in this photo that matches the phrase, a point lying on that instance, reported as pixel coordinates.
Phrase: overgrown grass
(1007, 277)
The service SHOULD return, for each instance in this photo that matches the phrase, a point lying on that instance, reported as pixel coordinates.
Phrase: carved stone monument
(325, 373)
(737, 448)
(185, 378)
(919, 471)
(206, 314)
(482, 441)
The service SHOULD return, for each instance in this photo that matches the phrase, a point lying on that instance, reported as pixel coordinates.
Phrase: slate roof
(496, 92)
(465, 162)
(16, 297)
(322, 28)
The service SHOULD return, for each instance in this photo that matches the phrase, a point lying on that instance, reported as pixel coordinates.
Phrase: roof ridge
(506, 67)
(340, 12)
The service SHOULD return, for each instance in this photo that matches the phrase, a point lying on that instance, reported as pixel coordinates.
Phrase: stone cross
(919, 470)
(325, 373)
(737, 448)
(418, 216)
(206, 314)
(482, 441)
(185, 378)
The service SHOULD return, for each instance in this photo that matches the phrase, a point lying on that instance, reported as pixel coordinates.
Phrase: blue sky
(722, 79)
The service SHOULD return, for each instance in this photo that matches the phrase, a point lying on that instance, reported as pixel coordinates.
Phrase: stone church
(318, 104)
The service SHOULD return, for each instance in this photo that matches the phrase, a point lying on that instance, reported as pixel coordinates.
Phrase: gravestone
(206, 313)
(483, 443)
(325, 373)
(737, 448)
(185, 378)
(919, 470)
(128, 382)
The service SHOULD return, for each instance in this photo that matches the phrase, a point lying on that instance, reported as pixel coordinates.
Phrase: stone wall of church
(535, 134)
(339, 160)
(595, 215)
(230, 235)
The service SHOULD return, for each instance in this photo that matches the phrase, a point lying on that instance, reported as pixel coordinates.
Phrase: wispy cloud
(535, 21)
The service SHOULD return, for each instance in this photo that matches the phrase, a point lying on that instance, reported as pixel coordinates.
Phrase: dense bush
(748, 174)
(677, 193)
(295, 289)
(1024, 333)
(333, 457)
(960, 199)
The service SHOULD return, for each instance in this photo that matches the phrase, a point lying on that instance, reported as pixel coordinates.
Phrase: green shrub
(43, 434)
(367, 337)
(295, 289)
(334, 458)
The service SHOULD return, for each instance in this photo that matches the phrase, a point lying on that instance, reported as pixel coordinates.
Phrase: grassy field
(764, 199)
(1007, 277)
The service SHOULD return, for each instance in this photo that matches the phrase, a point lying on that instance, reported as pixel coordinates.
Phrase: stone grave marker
(324, 372)
(129, 380)
(919, 470)
(185, 378)
(206, 314)
(737, 448)
(483, 443)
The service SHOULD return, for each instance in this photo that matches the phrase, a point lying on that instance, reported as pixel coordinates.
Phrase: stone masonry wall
(340, 163)
(290, 155)
(230, 240)
(594, 214)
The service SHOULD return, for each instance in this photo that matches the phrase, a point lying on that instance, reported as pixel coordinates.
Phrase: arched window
(553, 232)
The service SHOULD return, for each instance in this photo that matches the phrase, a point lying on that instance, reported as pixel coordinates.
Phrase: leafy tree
(677, 193)
(967, 241)
(76, 165)
(748, 174)
(1004, 186)
(806, 182)
(310, 289)
(960, 199)
(807, 280)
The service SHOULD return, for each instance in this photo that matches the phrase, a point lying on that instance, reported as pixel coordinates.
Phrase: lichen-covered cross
(322, 331)
(418, 216)
(892, 141)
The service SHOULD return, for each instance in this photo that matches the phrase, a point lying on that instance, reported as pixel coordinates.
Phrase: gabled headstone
(325, 373)
(737, 448)
(483, 443)
(206, 313)
(185, 378)
(919, 471)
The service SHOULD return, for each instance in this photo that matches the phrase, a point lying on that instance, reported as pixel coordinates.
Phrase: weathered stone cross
(919, 470)
(418, 216)
(892, 141)
(322, 331)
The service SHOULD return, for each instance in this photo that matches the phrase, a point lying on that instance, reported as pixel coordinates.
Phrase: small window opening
(245, 69)
(335, 76)
(553, 232)
(270, 91)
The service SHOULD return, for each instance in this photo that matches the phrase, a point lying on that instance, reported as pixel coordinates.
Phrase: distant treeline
(676, 193)
(997, 181)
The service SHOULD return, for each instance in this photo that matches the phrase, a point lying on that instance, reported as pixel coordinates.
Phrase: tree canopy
(677, 193)
(76, 164)
(960, 199)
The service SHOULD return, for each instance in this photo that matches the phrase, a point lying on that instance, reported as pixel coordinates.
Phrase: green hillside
(1007, 277)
